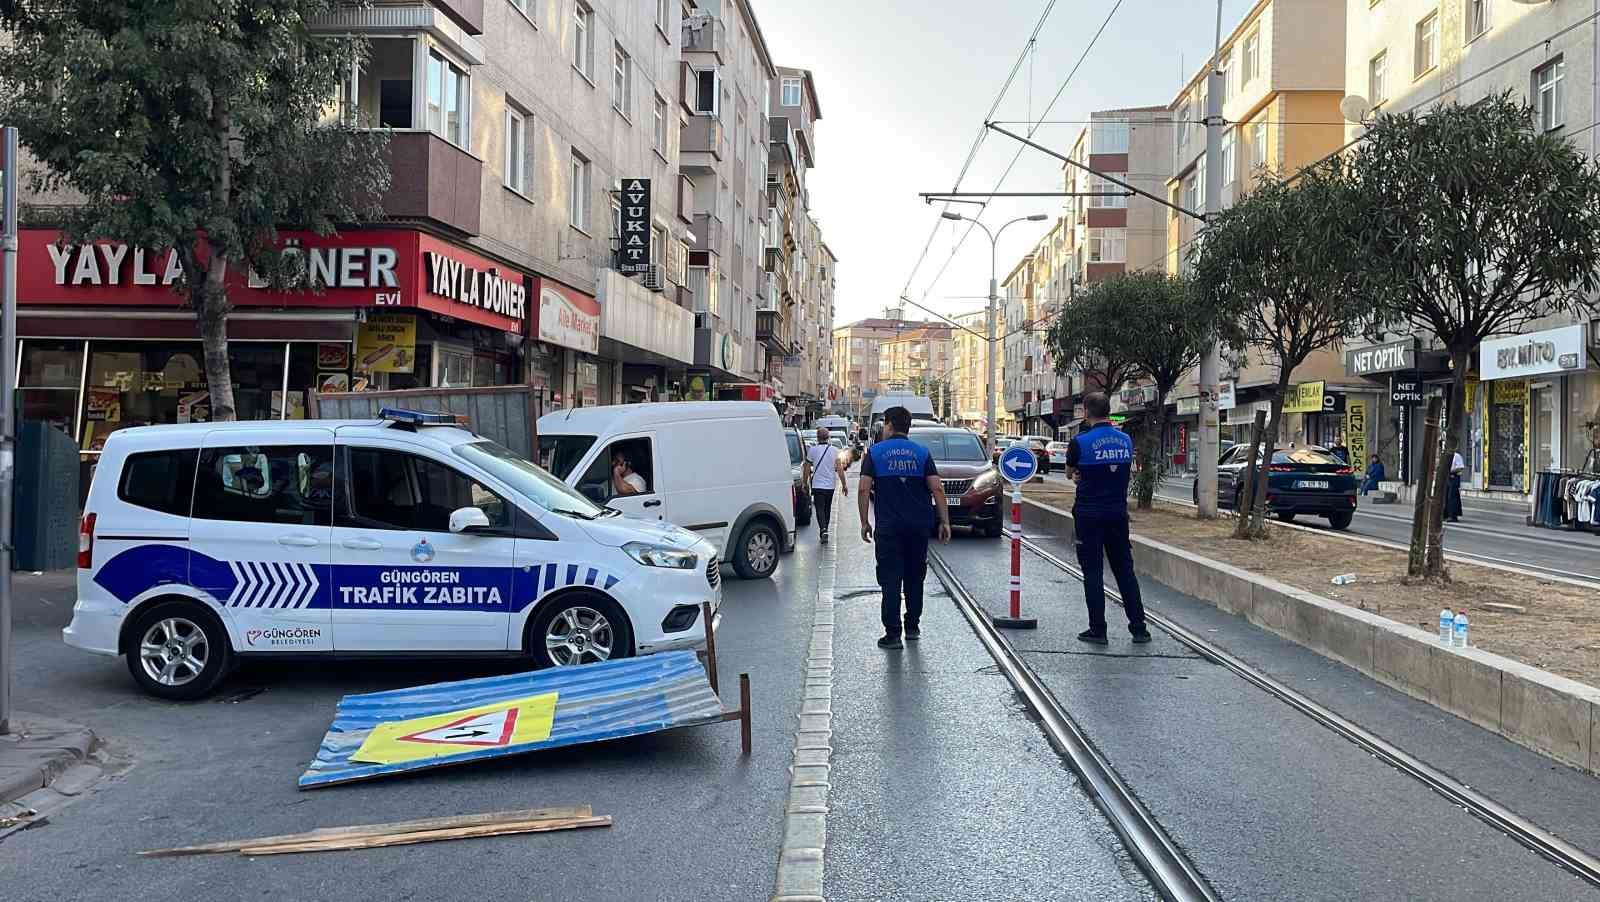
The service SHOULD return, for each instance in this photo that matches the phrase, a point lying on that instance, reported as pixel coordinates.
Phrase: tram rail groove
(1170, 872)
(1552, 847)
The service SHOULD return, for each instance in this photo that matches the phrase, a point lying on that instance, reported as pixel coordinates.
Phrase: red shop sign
(357, 268)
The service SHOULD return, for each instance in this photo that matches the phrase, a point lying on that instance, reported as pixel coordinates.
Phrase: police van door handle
(362, 544)
(298, 541)
(655, 503)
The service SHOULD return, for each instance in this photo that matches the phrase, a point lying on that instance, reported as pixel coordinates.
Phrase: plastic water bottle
(1461, 629)
(1343, 579)
(1447, 626)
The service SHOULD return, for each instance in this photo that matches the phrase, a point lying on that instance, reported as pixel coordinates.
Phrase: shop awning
(180, 325)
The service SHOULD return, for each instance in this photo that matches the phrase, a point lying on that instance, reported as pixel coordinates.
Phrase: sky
(904, 85)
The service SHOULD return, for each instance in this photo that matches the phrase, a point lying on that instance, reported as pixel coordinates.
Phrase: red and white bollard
(1016, 621)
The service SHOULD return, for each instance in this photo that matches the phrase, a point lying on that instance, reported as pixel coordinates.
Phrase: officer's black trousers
(902, 565)
(1100, 539)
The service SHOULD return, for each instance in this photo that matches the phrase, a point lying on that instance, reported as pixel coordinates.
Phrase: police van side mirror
(469, 519)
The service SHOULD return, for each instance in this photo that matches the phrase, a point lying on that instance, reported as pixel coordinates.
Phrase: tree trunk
(1434, 565)
(209, 294)
(1247, 496)
(1258, 525)
(210, 299)
(1153, 461)
(1422, 506)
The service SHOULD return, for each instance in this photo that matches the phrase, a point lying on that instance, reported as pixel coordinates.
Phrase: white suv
(407, 536)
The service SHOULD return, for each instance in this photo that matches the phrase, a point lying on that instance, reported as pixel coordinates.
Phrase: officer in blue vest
(1099, 459)
(901, 484)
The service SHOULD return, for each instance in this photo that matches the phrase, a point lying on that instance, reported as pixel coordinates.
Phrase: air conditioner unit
(655, 277)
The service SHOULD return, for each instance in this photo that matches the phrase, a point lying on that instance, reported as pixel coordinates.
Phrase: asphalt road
(940, 779)
(693, 820)
(1268, 804)
(1492, 532)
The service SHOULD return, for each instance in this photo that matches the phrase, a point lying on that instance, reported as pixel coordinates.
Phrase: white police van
(407, 535)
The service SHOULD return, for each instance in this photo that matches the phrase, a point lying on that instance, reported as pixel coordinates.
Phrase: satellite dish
(1355, 108)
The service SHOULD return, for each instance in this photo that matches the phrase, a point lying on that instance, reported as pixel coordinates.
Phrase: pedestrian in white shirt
(825, 475)
(1452, 498)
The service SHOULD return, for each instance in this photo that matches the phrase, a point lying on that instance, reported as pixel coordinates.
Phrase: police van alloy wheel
(757, 555)
(178, 650)
(580, 629)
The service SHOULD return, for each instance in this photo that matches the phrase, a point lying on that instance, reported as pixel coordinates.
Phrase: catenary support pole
(8, 425)
(1211, 363)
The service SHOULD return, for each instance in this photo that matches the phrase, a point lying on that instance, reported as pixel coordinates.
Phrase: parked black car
(800, 491)
(1299, 481)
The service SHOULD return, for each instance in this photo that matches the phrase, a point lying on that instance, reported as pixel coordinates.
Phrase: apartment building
(724, 161)
(798, 267)
(919, 361)
(970, 374)
(1283, 81)
(1523, 416)
(527, 136)
(857, 358)
(1020, 346)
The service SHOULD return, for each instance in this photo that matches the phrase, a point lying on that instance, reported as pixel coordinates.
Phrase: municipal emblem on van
(422, 552)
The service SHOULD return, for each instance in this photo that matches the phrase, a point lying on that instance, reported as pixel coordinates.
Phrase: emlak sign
(359, 268)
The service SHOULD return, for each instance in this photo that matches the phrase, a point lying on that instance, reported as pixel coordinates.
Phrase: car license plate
(1311, 484)
(952, 500)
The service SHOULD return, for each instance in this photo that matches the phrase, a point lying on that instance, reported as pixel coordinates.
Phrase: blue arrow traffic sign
(1018, 463)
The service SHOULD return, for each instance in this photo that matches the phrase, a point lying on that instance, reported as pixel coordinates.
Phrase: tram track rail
(1548, 845)
(1155, 853)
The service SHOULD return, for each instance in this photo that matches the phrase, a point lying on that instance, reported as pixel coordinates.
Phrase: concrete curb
(1555, 716)
(36, 751)
(805, 822)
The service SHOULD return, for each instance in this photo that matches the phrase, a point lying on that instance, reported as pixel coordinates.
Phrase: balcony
(709, 234)
(769, 331)
(705, 34)
(780, 144)
(776, 260)
(703, 145)
(430, 178)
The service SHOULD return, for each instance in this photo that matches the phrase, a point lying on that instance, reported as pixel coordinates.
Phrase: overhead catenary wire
(983, 132)
(1018, 155)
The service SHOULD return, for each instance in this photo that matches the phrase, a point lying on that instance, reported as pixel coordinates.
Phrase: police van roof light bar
(402, 416)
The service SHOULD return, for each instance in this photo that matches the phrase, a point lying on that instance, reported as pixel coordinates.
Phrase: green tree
(1086, 338)
(197, 125)
(1485, 225)
(1286, 262)
(1155, 324)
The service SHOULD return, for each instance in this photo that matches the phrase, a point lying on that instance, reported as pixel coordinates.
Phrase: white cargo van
(719, 469)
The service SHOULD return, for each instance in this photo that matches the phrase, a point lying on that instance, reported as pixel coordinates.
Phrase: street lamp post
(994, 299)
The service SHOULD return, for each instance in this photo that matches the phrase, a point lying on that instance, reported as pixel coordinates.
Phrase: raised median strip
(1553, 715)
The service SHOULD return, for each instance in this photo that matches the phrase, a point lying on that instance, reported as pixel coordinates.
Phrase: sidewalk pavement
(36, 751)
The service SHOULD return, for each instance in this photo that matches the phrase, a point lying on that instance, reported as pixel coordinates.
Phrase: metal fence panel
(506, 414)
(626, 697)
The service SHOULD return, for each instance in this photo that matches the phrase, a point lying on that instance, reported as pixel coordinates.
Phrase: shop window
(455, 368)
(315, 367)
(48, 382)
(286, 484)
(599, 482)
(146, 383)
(399, 491)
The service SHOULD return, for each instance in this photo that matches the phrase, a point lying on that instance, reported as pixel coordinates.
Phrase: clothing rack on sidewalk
(1567, 499)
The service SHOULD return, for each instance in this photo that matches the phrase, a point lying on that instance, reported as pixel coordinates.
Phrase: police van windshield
(529, 480)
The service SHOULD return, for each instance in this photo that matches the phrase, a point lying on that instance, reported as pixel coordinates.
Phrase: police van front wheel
(178, 650)
(579, 628)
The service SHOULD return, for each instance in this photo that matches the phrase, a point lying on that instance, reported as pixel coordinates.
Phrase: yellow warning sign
(515, 722)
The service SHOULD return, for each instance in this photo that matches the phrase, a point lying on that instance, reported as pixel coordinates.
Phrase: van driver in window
(623, 480)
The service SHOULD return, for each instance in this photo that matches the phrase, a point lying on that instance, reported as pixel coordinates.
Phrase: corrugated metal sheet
(594, 702)
(500, 413)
